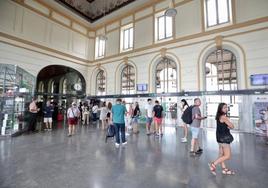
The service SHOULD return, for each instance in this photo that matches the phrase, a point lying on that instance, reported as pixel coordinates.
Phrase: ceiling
(93, 10)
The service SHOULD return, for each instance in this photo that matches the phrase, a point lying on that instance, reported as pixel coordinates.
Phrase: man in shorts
(195, 127)
(158, 115)
(149, 116)
(48, 111)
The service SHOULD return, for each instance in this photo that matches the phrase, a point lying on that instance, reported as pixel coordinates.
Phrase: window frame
(98, 49)
(128, 91)
(102, 73)
(157, 27)
(130, 46)
(218, 24)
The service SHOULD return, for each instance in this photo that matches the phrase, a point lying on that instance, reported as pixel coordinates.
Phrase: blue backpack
(187, 116)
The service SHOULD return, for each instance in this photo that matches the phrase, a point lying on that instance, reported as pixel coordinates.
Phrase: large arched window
(128, 80)
(64, 86)
(41, 87)
(166, 76)
(100, 83)
(221, 71)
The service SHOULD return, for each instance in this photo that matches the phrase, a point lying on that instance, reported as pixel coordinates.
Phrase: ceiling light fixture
(171, 11)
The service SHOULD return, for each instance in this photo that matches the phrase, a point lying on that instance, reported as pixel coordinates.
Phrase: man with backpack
(195, 127)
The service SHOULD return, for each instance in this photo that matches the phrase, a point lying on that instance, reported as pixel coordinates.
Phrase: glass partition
(16, 90)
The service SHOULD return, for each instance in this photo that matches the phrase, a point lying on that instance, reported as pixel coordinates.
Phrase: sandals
(212, 168)
(227, 171)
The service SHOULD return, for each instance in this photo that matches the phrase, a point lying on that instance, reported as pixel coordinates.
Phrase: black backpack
(110, 132)
(187, 116)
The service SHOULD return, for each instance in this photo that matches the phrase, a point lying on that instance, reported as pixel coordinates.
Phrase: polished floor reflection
(52, 160)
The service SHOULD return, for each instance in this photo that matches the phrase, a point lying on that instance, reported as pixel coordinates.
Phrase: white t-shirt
(149, 108)
(95, 109)
(73, 112)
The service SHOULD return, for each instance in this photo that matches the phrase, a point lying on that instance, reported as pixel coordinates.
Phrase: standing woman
(129, 118)
(73, 114)
(184, 106)
(224, 139)
(109, 119)
(135, 118)
(103, 115)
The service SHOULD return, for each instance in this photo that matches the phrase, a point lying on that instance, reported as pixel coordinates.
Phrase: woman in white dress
(103, 115)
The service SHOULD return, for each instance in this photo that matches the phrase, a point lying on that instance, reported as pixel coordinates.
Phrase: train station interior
(88, 54)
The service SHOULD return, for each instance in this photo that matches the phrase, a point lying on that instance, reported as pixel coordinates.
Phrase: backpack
(187, 116)
(110, 132)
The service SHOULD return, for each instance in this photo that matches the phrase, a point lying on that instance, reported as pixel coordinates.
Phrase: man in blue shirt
(118, 116)
(48, 110)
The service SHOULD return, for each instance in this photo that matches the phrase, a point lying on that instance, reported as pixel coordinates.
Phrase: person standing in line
(128, 119)
(95, 109)
(80, 107)
(173, 110)
(149, 116)
(195, 127)
(103, 115)
(85, 114)
(158, 115)
(33, 115)
(135, 118)
(224, 139)
(109, 112)
(73, 114)
(184, 106)
(48, 111)
(118, 115)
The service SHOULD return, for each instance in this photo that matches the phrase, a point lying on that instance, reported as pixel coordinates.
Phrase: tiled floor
(52, 160)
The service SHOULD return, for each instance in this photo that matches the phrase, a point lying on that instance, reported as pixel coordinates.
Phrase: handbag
(228, 138)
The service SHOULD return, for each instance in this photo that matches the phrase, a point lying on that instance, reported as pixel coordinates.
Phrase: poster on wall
(260, 108)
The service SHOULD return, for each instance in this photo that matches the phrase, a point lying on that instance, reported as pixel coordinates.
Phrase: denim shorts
(135, 119)
(195, 132)
(149, 120)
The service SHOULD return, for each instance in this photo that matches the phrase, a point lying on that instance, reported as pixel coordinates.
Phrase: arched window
(128, 80)
(100, 83)
(221, 71)
(64, 86)
(41, 87)
(52, 89)
(166, 76)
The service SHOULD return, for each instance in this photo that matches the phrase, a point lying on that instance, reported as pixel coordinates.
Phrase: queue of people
(125, 120)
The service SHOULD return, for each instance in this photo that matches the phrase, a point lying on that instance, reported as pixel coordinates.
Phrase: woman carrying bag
(135, 118)
(224, 139)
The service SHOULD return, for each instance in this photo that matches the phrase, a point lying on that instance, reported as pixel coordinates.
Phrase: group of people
(119, 116)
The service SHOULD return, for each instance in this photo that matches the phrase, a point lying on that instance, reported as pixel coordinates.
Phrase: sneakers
(125, 143)
(117, 145)
(184, 140)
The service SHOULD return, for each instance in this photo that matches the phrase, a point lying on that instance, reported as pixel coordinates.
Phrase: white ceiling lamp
(171, 11)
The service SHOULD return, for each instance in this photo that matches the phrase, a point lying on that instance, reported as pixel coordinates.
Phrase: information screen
(259, 79)
(142, 87)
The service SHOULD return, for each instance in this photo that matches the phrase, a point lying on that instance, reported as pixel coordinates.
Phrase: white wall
(34, 62)
(248, 9)
(26, 24)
